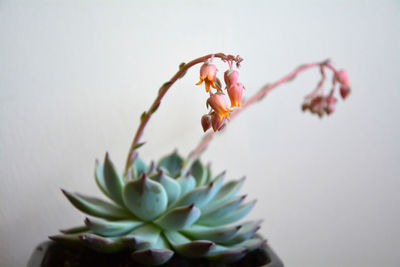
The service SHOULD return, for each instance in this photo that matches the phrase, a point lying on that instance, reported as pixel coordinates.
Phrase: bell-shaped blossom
(344, 91)
(235, 94)
(208, 74)
(217, 123)
(344, 83)
(206, 122)
(317, 105)
(231, 77)
(218, 104)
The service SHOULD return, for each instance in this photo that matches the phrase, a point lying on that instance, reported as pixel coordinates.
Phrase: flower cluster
(220, 110)
(320, 104)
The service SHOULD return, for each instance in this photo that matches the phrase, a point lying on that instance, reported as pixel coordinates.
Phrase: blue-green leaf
(68, 239)
(101, 244)
(143, 237)
(75, 230)
(247, 231)
(145, 198)
(251, 244)
(199, 172)
(140, 166)
(215, 234)
(111, 228)
(171, 186)
(96, 207)
(208, 173)
(173, 163)
(226, 254)
(201, 195)
(187, 247)
(98, 174)
(208, 218)
(187, 183)
(227, 192)
(179, 218)
(113, 181)
(218, 181)
(235, 215)
(162, 243)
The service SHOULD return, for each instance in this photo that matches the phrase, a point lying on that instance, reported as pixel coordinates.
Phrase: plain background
(76, 75)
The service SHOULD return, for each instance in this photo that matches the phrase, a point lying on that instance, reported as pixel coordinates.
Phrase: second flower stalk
(220, 110)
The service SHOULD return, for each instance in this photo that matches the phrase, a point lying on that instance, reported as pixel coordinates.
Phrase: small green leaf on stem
(154, 109)
(221, 54)
(144, 114)
(138, 145)
(301, 66)
(326, 61)
(292, 78)
(180, 68)
(262, 89)
(207, 104)
(218, 83)
(164, 85)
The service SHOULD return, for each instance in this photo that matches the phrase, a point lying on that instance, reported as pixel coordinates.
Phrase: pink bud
(206, 122)
(218, 104)
(216, 122)
(235, 94)
(342, 78)
(344, 91)
(231, 77)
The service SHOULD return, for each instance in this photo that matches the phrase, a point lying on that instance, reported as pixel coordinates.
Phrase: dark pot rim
(42, 249)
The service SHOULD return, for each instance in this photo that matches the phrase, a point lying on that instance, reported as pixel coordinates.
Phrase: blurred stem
(207, 138)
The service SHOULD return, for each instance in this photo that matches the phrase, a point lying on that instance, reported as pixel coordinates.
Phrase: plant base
(52, 254)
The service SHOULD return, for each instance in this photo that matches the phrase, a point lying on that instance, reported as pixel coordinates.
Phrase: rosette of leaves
(161, 209)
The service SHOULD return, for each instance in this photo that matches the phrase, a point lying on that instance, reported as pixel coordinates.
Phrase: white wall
(75, 76)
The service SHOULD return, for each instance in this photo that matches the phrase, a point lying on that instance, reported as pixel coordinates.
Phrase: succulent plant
(176, 206)
(161, 209)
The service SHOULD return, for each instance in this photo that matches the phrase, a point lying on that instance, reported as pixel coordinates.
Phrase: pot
(53, 254)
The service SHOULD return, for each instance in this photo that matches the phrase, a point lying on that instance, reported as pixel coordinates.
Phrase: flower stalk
(207, 138)
(316, 102)
(145, 117)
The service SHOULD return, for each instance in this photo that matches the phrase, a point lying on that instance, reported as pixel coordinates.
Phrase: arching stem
(145, 117)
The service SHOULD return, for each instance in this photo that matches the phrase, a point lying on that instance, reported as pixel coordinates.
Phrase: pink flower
(344, 91)
(208, 73)
(345, 84)
(231, 77)
(235, 92)
(206, 122)
(317, 105)
(217, 123)
(330, 104)
(218, 104)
